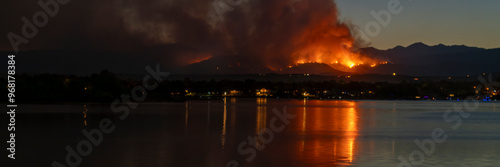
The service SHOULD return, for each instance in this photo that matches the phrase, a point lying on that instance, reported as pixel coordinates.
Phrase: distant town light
(262, 92)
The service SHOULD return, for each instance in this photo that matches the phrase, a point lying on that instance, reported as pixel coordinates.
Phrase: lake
(254, 132)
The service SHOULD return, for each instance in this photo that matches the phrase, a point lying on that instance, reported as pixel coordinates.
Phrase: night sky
(451, 22)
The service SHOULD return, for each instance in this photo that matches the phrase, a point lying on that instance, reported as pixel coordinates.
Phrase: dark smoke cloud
(78, 25)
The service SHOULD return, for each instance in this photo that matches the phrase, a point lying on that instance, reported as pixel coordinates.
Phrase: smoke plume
(277, 33)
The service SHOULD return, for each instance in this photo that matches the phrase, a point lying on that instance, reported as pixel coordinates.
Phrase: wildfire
(340, 61)
(327, 40)
(199, 58)
(288, 33)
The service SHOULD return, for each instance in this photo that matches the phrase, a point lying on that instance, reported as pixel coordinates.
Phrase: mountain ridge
(417, 59)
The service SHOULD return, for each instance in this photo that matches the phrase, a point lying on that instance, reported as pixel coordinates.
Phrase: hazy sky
(451, 22)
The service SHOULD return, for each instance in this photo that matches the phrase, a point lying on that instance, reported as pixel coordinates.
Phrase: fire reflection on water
(328, 134)
(334, 131)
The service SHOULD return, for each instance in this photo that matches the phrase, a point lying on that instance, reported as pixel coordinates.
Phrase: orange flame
(199, 58)
(341, 60)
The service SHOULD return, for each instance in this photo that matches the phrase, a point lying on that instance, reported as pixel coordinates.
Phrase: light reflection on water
(323, 133)
(85, 115)
(341, 124)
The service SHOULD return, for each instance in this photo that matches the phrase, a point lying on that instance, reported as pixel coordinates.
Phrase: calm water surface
(208, 133)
